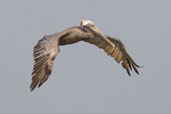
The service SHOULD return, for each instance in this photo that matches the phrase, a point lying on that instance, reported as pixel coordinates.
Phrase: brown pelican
(47, 49)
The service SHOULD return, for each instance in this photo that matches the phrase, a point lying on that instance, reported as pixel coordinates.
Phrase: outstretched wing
(118, 52)
(44, 54)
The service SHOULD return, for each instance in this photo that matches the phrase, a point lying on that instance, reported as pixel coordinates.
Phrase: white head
(85, 22)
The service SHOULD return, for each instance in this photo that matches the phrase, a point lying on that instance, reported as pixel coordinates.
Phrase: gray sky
(84, 79)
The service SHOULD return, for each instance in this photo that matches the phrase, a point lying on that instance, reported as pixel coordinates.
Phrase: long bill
(98, 33)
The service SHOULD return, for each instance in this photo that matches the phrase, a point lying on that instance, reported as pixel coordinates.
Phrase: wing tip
(128, 65)
(31, 88)
(33, 85)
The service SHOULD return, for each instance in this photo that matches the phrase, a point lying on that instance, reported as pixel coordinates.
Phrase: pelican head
(85, 23)
(89, 26)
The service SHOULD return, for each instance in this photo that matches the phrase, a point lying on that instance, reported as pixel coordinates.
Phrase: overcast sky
(84, 79)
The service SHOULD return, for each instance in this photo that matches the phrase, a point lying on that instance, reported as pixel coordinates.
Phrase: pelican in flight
(47, 49)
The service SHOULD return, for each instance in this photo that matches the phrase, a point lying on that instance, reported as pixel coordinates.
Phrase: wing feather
(44, 54)
(118, 52)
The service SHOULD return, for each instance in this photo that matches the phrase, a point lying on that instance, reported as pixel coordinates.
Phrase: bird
(46, 50)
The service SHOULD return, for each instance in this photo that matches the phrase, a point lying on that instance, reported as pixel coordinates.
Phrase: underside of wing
(118, 52)
(44, 54)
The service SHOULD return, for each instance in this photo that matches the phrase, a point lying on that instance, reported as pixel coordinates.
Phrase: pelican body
(47, 49)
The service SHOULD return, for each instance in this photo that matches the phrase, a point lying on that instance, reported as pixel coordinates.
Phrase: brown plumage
(47, 49)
